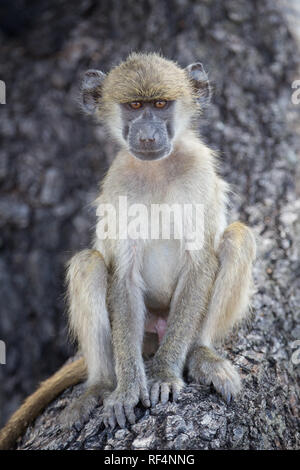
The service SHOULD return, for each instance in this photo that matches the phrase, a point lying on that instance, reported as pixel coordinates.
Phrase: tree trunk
(58, 156)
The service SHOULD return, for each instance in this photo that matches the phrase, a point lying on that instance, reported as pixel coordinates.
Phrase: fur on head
(145, 76)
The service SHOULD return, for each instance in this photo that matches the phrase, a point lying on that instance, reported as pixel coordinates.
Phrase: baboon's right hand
(119, 405)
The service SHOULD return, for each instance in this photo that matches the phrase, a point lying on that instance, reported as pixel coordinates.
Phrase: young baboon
(133, 295)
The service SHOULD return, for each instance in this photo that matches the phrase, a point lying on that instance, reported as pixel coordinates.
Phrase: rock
(142, 443)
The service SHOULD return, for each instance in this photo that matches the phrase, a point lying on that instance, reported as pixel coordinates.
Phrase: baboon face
(146, 102)
(148, 128)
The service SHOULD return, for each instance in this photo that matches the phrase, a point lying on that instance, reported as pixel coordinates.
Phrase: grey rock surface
(51, 160)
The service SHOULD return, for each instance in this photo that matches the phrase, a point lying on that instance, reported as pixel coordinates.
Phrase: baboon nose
(147, 140)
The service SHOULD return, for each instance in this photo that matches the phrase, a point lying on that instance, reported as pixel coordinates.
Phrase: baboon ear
(91, 89)
(200, 82)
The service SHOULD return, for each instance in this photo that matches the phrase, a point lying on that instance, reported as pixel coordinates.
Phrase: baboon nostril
(147, 139)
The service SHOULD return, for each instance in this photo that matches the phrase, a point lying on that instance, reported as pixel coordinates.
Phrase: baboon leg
(228, 305)
(90, 325)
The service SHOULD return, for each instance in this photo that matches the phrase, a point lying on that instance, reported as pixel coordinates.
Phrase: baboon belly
(162, 261)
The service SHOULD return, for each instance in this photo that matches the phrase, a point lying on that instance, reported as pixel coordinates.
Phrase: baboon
(132, 296)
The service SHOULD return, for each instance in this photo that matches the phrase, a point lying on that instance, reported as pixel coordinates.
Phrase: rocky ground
(52, 157)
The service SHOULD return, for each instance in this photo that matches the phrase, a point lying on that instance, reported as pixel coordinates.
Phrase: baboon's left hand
(163, 384)
(160, 391)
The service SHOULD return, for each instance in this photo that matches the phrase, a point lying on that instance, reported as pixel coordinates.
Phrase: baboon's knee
(238, 243)
(84, 265)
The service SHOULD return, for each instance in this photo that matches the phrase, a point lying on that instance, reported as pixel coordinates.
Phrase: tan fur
(233, 286)
(147, 77)
(89, 321)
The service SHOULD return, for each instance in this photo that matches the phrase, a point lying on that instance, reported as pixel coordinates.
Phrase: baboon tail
(66, 376)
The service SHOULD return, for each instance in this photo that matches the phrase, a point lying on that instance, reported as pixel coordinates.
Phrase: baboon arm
(65, 377)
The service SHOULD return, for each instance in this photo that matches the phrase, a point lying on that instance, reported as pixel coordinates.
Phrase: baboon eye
(160, 103)
(135, 105)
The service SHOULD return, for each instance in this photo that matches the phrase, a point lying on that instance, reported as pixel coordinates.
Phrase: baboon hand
(161, 390)
(119, 405)
(163, 384)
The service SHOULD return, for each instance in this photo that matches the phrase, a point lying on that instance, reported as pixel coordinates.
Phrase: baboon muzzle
(148, 138)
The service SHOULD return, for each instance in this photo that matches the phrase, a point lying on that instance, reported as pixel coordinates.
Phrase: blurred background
(52, 157)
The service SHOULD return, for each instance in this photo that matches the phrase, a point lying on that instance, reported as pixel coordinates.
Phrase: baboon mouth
(138, 150)
(156, 154)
